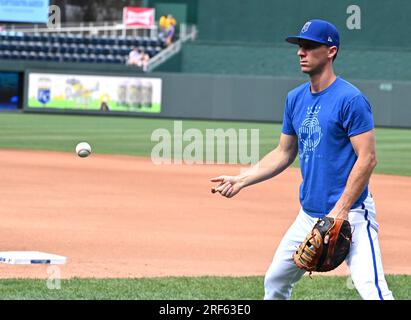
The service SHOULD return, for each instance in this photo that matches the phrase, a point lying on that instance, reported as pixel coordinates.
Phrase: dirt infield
(120, 216)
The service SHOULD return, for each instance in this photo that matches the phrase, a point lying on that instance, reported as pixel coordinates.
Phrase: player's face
(313, 56)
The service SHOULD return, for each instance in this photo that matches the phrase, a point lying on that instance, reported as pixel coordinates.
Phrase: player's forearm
(271, 165)
(357, 181)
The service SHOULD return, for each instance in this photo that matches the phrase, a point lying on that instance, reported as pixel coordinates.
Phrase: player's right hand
(229, 185)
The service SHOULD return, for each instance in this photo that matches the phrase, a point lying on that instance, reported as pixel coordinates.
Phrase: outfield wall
(262, 98)
(245, 98)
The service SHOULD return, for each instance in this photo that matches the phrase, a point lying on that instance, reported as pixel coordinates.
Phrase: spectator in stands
(134, 57)
(138, 58)
(167, 26)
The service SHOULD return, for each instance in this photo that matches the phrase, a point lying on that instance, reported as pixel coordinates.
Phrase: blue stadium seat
(121, 41)
(150, 51)
(23, 55)
(62, 38)
(75, 57)
(81, 48)
(78, 38)
(120, 59)
(5, 54)
(45, 37)
(41, 56)
(5, 45)
(137, 41)
(50, 56)
(87, 40)
(129, 41)
(12, 45)
(98, 49)
(92, 58)
(32, 55)
(112, 41)
(27, 37)
(107, 49)
(109, 59)
(55, 47)
(64, 48)
(124, 50)
(66, 57)
(72, 48)
(145, 42)
(84, 58)
(70, 38)
(100, 58)
(15, 54)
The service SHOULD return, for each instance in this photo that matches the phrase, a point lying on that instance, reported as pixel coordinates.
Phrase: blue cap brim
(297, 39)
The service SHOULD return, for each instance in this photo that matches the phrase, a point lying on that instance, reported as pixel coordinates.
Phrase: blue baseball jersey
(324, 123)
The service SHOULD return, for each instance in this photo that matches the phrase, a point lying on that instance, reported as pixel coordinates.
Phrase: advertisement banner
(133, 16)
(84, 92)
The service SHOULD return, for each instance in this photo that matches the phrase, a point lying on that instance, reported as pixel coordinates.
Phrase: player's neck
(322, 80)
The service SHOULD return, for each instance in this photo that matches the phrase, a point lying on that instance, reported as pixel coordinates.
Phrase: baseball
(83, 149)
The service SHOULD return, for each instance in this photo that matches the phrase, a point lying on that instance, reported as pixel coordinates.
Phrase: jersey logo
(309, 133)
(305, 27)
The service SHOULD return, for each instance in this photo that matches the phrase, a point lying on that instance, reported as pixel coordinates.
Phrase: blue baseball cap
(319, 31)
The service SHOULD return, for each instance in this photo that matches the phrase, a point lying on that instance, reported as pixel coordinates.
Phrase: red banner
(133, 16)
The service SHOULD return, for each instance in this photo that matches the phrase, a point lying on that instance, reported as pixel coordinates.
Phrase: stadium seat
(81, 48)
(23, 55)
(119, 59)
(75, 57)
(49, 56)
(36, 37)
(62, 38)
(78, 39)
(32, 55)
(41, 56)
(5, 54)
(112, 41)
(92, 58)
(107, 49)
(27, 37)
(64, 48)
(70, 38)
(121, 41)
(55, 47)
(5, 45)
(15, 55)
(98, 49)
(72, 48)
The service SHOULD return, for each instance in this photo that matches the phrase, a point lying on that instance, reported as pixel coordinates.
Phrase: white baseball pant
(363, 260)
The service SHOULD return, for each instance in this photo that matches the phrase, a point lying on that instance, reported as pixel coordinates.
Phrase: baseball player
(328, 122)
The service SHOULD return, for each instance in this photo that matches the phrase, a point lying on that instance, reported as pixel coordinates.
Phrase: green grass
(190, 288)
(132, 136)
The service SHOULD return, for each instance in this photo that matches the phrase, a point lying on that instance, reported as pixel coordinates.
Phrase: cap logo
(330, 40)
(305, 27)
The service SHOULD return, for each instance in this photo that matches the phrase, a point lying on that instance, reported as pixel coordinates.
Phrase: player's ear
(332, 52)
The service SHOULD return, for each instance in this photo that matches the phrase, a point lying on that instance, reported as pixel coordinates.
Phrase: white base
(30, 257)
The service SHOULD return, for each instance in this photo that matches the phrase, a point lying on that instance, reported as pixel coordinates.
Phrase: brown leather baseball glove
(315, 255)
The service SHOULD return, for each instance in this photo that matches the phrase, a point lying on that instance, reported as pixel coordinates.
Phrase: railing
(187, 32)
(91, 28)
